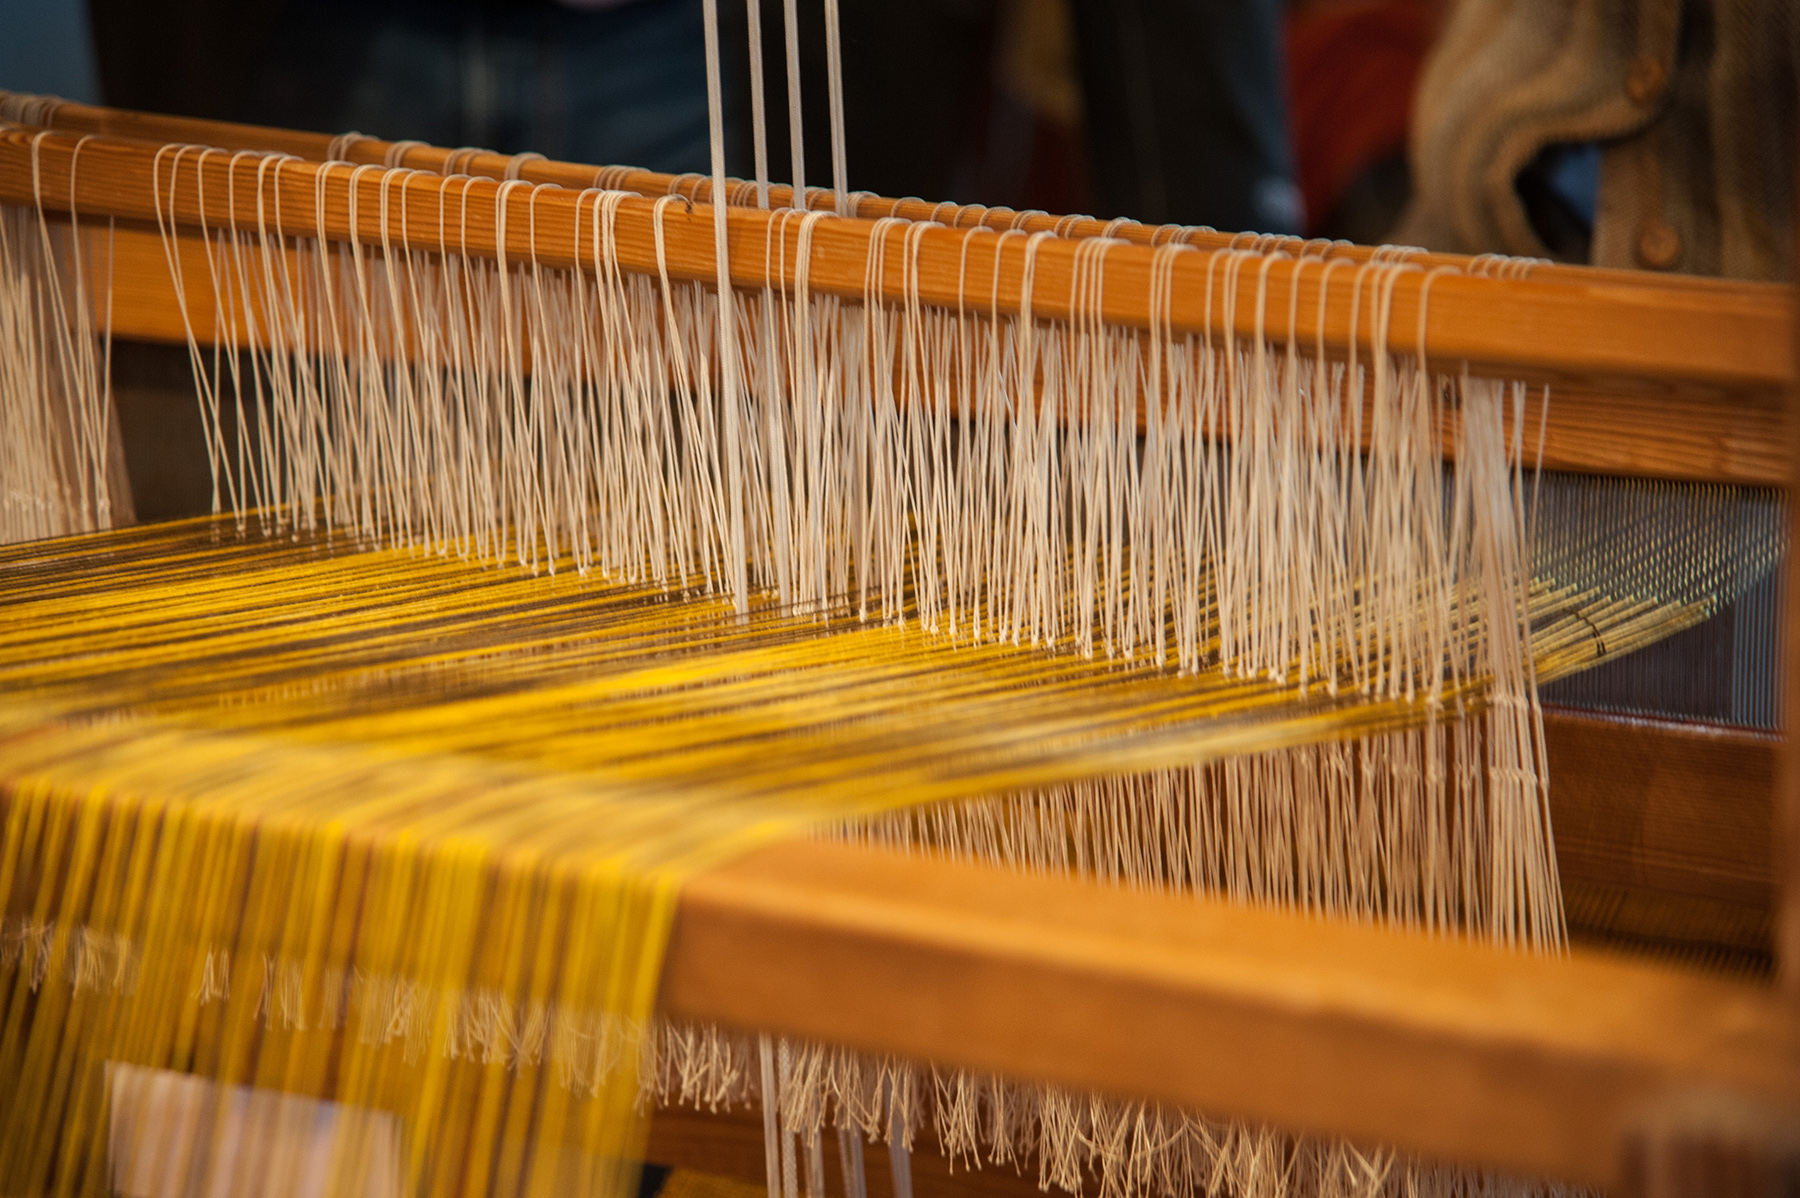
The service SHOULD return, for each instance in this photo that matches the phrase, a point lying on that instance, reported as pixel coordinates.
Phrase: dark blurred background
(1239, 114)
(1654, 134)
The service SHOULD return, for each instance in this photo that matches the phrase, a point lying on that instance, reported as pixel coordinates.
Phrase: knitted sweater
(1692, 103)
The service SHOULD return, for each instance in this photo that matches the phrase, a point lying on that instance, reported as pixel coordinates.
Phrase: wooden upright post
(1787, 831)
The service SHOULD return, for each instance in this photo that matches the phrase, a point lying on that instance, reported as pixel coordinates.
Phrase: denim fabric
(616, 85)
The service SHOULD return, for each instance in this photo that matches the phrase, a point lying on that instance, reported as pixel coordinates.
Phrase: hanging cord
(834, 66)
(850, 1156)
(771, 1132)
(730, 415)
(338, 150)
(397, 151)
(899, 1149)
(790, 18)
(29, 109)
(758, 117)
(515, 164)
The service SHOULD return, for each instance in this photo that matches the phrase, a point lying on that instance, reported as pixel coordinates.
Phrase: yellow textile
(389, 830)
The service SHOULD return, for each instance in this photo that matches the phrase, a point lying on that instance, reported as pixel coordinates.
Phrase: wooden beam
(317, 147)
(1662, 837)
(1678, 808)
(146, 305)
(1645, 433)
(1654, 433)
(1664, 435)
(730, 1144)
(1449, 1050)
(1787, 822)
(1623, 338)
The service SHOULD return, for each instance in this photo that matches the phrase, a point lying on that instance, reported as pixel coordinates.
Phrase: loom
(1588, 1068)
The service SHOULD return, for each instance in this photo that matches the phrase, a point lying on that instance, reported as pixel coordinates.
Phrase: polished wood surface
(354, 148)
(1677, 808)
(730, 1143)
(1663, 838)
(1449, 1050)
(1622, 338)
(1651, 432)
(1786, 830)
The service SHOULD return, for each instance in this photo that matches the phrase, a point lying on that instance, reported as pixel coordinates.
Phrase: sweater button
(1658, 244)
(1644, 82)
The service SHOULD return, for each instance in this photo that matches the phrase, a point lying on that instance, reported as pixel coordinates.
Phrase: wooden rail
(730, 1144)
(1675, 807)
(1786, 830)
(318, 147)
(1736, 338)
(1449, 1050)
(1681, 382)
(1654, 434)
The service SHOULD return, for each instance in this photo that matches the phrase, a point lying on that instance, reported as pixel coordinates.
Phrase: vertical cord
(790, 1171)
(771, 1151)
(730, 405)
(758, 118)
(815, 1163)
(899, 1156)
(834, 65)
(850, 1156)
(790, 17)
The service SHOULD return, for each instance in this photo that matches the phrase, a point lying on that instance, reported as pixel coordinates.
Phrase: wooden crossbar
(355, 148)
(1677, 382)
(1724, 339)
(1449, 1050)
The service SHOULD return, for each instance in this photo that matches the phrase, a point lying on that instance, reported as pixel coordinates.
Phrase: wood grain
(1644, 433)
(1678, 808)
(1663, 838)
(730, 1144)
(1787, 823)
(83, 118)
(1448, 1050)
(1648, 433)
(1599, 333)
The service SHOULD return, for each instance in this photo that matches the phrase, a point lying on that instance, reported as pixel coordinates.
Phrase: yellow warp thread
(380, 828)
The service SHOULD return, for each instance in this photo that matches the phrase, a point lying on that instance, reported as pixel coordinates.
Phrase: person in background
(46, 50)
(1186, 114)
(602, 81)
(1170, 111)
(1651, 134)
(1353, 67)
(1181, 100)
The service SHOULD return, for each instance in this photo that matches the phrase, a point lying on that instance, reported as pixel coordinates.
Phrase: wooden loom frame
(1448, 1050)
